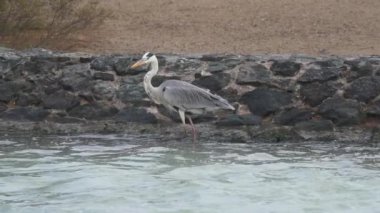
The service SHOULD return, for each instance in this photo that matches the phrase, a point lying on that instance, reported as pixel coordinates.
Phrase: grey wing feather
(189, 97)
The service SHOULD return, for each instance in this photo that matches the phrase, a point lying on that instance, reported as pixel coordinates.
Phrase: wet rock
(60, 100)
(315, 125)
(239, 120)
(341, 111)
(28, 99)
(103, 63)
(285, 68)
(137, 115)
(104, 90)
(104, 76)
(159, 79)
(214, 82)
(314, 93)
(292, 116)
(321, 74)
(253, 74)
(363, 89)
(25, 114)
(94, 111)
(263, 101)
(275, 135)
(359, 68)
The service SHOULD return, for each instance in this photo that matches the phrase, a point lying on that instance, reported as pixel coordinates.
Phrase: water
(116, 173)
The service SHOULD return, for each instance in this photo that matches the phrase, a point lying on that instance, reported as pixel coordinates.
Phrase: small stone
(264, 101)
(363, 89)
(104, 76)
(94, 111)
(314, 93)
(60, 100)
(137, 115)
(253, 74)
(341, 111)
(285, 68)
(214, 82)
(292, 116)
(321, 74)
(315, 125)
(239, 120)
(25, 114)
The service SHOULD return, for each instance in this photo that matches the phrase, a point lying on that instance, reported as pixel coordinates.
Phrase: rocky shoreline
(279, 97)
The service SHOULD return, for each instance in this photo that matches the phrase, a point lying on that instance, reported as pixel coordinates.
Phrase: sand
(344, 27)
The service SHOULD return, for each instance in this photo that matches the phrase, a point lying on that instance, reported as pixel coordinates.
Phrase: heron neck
(149, 88)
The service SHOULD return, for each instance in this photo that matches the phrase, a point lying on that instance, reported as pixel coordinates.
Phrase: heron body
(180, 96)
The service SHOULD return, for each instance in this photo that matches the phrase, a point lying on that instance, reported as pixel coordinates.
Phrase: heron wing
(188, 97)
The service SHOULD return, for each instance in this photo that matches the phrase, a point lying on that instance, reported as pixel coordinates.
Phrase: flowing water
(126, 173)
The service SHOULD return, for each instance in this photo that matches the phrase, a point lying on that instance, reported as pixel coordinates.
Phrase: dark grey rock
(230, 94)
(374, 108)
(263, 101)
(275, 135)
(210, 57)
(25, 114)
(359, 68)
(341, 111)
(103, 63)
(285, 68)
(60, 100)
(104, 76)
(25, 99)
(363, 89)
(131, 93)
(240, 120)
(40, 65)
(104, 90)
(10, 89)
(76, 77)
(94, 111)
(3, 107)
(315, 125)
(122, 66)
(314, 93)
(253, 74)
(214, 82)
(292, 116)
(214, 67)
(183, 65)
(322, 74)
(137, 115)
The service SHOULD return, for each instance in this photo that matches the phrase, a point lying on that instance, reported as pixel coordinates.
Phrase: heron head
(147, 58)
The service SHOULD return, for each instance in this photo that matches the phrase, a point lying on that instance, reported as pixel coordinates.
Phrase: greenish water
(126, 173)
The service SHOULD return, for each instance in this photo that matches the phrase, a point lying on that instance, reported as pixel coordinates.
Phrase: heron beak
(138, 64)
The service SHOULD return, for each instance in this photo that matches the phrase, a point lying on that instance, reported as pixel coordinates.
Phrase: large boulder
(76, 77)
(10, 89)
(131, 92)
(341, 111)
(314, 93)
(137, 115)
(239, 120)
(214, 82)
(263, 101)
(359, 68)
(292, 116)
(60, 100)
(364, 89)
(104, 90)
(253, 74)
(320, 74)
(285, 68)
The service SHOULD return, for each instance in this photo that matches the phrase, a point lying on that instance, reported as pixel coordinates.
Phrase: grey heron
(180, 96)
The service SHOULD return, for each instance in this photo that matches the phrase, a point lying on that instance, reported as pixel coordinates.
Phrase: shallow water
(124, 173)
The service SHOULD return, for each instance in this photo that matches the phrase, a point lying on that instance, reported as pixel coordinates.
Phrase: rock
(253, 74)
(122, 66)
(263, 101)
(359, 68)
(104, 76)
(3, 107)
(131, 92)
(184, 65)
(25, 114)
(314, 93)
(333, 62)
(158, 79)
(94, 111)
(25, 99)
(363, 89)
(322, 74)
(213, 58)
(374, 108)
(292, 116)
(60, 100)
(137, 115)
(275, 135)
(104, 90)
(314, 125)
(285, 68)
(214, 67)
(230, 94)
(10, 89)
(214, 82)
(103, 63)
(239, 120)
(76, 77)
(341, 111)
(38, 65)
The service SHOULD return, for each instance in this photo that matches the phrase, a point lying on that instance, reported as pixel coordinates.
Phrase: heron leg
(193, 128)
(182, 116)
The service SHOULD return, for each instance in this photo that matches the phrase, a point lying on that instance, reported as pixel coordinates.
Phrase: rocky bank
(278, 97)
